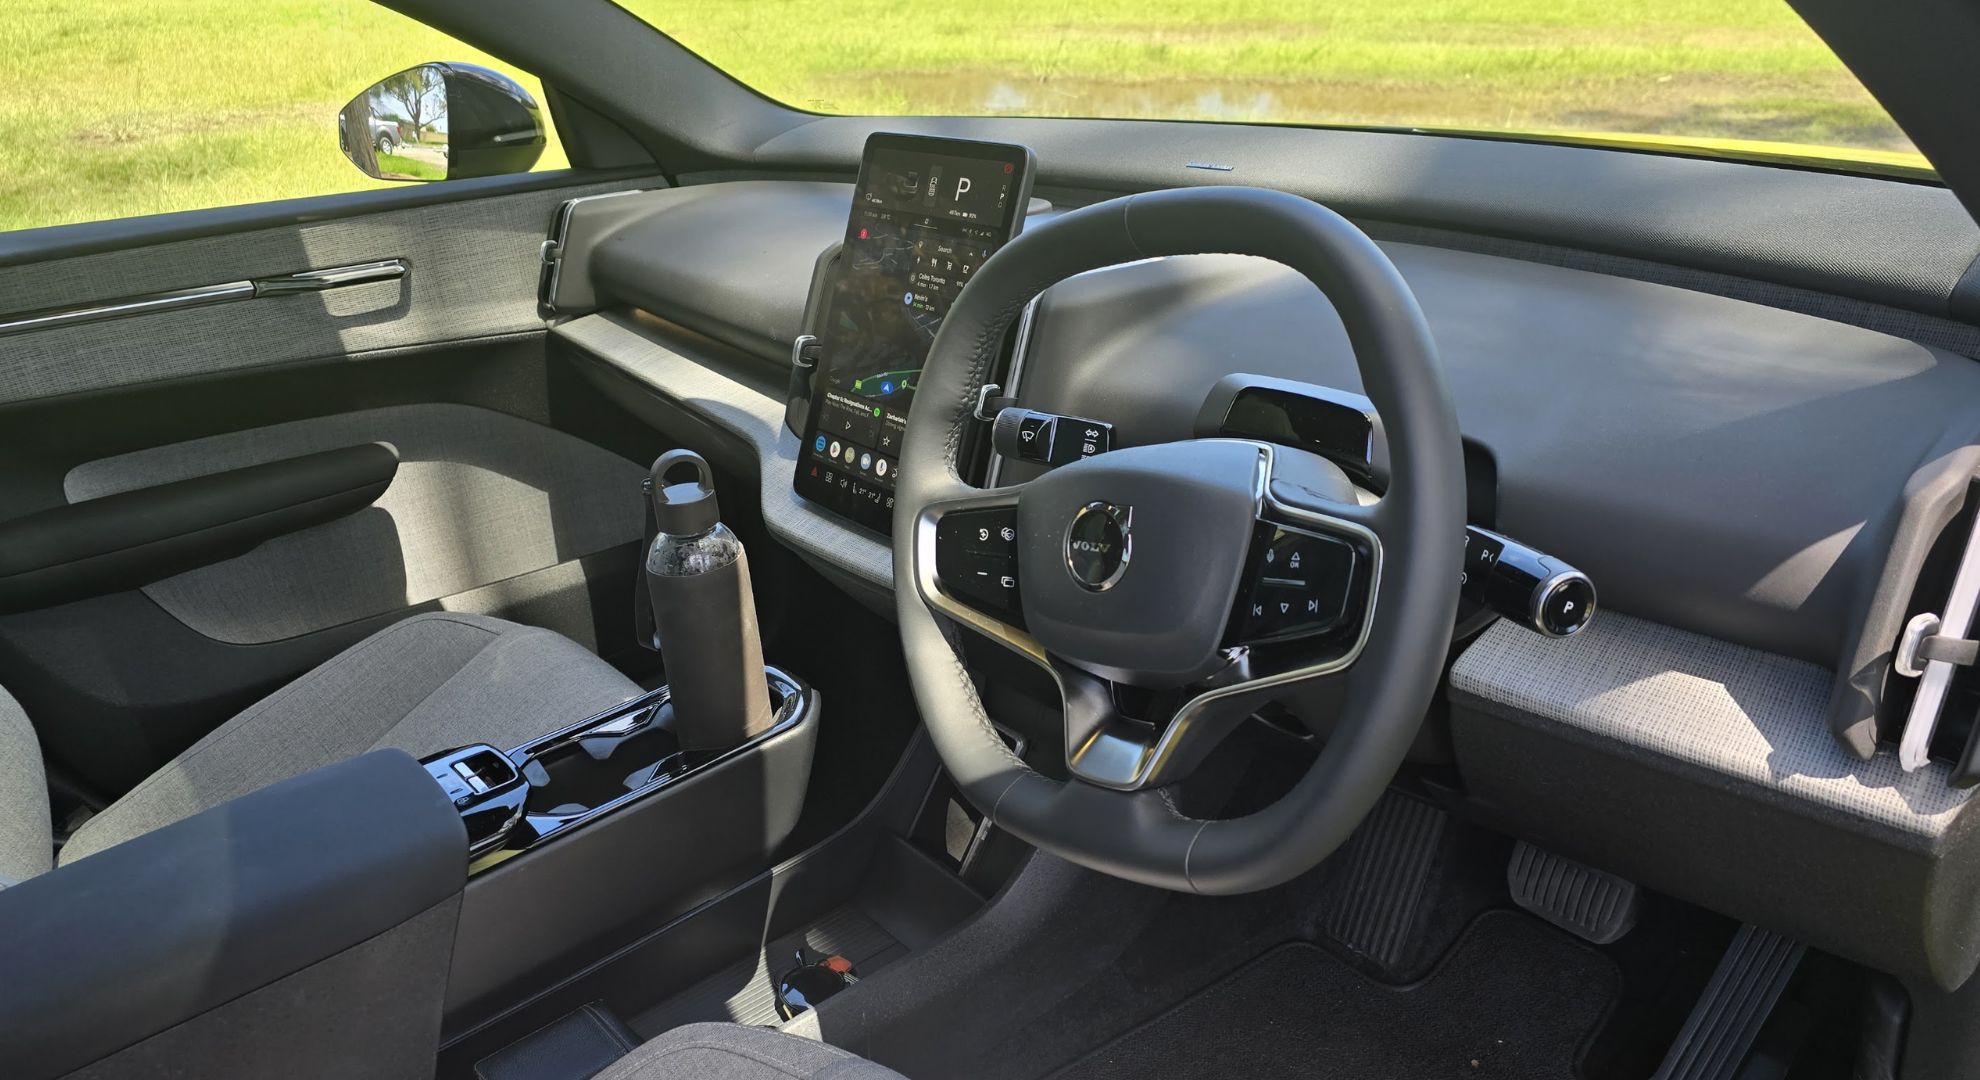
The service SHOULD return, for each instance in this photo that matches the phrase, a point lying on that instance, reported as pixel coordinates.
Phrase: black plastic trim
(1916, 58)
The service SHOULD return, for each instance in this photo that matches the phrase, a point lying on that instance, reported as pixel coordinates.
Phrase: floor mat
(1516, 998)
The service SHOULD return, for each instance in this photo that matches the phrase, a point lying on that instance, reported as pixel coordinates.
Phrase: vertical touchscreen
(926, 213)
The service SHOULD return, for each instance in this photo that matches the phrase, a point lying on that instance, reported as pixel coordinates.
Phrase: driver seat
(737, 1052)
(422, 685)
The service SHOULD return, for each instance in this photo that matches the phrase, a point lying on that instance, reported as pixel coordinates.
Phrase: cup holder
(586, 772)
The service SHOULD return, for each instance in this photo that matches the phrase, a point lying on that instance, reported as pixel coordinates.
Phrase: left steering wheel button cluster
(1298, 586)
(976, 560)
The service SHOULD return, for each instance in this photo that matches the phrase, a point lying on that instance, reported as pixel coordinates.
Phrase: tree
(419, 94)
(354, 130)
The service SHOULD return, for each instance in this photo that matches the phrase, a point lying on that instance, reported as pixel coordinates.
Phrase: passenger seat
(428, 683)
(736, 1052)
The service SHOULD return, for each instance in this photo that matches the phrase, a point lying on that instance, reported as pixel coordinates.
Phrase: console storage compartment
(619, 832)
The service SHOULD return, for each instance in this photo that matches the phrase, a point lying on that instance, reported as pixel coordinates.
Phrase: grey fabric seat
(736, 1052)
(421, 685)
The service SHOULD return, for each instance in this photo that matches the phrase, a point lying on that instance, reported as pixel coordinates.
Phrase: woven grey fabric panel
(735, 1052)
(480, 497)
(27, 845)
(474, 273)
(1752, 717)
(759, 419)
(421, 685)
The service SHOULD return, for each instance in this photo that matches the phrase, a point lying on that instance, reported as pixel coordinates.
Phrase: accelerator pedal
(1593, 905)
(1723, 1025)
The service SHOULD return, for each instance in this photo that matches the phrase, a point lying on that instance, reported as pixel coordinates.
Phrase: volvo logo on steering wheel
(1098, 545)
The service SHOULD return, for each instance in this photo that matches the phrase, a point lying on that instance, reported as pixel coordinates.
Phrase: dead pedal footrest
(1727, 1020)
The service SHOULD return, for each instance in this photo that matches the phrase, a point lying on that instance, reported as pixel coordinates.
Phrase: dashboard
(1750, 487)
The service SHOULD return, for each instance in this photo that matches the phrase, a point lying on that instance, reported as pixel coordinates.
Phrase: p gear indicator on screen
(926, 213)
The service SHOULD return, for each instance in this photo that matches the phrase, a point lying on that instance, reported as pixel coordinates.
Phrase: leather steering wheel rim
(1140, 835)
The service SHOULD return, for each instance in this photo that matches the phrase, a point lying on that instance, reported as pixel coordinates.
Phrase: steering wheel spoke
(966, 565)
(1310, 581)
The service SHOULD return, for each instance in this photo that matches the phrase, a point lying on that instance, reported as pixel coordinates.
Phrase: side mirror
(442, 122)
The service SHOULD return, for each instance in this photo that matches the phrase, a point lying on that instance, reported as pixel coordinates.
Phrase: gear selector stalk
(704, 612)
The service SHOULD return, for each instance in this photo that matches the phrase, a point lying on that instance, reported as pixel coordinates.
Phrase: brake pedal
(1593, 905)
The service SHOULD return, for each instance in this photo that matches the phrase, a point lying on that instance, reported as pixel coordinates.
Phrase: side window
(117, 108)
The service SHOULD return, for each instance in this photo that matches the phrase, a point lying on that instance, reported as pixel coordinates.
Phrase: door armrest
(134, 538)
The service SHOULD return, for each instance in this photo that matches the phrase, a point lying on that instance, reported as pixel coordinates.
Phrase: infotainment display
(926, 213)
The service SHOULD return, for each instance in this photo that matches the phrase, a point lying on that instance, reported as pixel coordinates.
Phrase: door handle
(335, 277)
(308, 281)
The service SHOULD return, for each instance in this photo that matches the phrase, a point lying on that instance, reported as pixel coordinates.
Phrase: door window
(116, 108)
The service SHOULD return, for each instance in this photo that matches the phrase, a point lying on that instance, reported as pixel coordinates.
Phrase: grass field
(118, 107)
(397, 165)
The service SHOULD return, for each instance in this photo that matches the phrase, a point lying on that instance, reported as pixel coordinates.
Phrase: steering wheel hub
(1099, 543)
(1154, 619)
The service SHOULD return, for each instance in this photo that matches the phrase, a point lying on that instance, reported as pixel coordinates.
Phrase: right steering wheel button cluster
(1297, 585)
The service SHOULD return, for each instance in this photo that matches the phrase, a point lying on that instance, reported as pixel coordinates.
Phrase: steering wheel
(1164, 568)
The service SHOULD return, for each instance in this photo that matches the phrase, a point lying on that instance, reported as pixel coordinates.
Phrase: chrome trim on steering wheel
(935, 597)
(1116, 753)
(1113, 760)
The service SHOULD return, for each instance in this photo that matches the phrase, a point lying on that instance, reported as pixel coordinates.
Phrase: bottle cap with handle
(704, 612)
(684, 509)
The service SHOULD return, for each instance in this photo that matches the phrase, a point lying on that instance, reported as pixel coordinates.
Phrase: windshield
(1738, 77)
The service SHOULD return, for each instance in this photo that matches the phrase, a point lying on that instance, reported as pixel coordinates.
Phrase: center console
(604, 829)
(512, 801)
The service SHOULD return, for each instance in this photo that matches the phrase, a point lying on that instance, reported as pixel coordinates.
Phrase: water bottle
(704, 614)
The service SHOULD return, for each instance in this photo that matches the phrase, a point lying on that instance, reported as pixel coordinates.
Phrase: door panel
(493, 508)
(130, 539)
